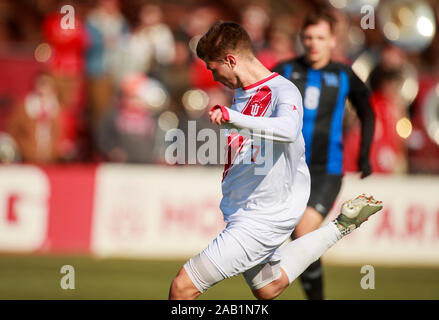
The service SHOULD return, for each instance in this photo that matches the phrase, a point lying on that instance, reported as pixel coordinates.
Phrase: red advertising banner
(70, 208)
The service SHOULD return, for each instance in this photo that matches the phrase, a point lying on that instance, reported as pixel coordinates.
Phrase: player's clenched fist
(218, 114)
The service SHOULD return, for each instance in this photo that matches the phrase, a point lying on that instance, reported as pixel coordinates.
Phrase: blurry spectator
(8, 149)
(176, 75)
(68, 45)
(340, 52)
(196, 23)
(150, 45)
(67, 67)
(128, 131)
(280, 48)
(34, 123)
(255, 21)
(388, 152)
(423, 147)
(423, 143)
(106, 26)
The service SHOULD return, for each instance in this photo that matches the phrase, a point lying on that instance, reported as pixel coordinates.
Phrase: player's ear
(230, 60)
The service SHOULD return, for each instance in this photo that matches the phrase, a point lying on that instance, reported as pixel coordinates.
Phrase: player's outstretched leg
(312, 277)
(297, 255)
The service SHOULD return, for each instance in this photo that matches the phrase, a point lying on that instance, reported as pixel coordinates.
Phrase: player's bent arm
(283, 126)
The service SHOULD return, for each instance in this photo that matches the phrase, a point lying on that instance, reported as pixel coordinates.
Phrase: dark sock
(312, 281)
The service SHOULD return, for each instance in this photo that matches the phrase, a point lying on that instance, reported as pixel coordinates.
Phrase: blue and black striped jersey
(324, 93)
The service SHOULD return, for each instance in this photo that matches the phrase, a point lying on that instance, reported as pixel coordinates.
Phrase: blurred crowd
(110, 87)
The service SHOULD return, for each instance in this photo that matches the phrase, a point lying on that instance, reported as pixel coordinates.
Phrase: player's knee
(267, 294)
(271, 291)
(179, 290)
(311, 221)
(182, 289)
(264, 295)
(176, 289)
(300, 231)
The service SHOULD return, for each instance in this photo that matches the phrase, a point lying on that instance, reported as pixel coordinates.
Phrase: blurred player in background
(261, 208)
(128, 130)
(325, 86)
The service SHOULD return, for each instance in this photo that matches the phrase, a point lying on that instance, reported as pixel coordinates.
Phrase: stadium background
(83, 118)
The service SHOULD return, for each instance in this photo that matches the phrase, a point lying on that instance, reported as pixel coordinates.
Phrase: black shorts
(324, 191)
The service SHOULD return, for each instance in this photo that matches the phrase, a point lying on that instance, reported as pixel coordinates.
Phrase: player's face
(223, 73)
(318, 41)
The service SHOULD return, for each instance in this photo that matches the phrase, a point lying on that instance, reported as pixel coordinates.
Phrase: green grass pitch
(39, 277)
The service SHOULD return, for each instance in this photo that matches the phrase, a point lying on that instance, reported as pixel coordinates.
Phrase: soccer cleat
(355, 212)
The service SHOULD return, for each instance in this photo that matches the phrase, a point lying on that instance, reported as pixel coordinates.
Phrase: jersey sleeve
(359, 96)
(284, 124)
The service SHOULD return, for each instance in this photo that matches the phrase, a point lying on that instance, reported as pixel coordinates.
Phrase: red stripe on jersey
(256, 106)
(235, 142)
(258, 103)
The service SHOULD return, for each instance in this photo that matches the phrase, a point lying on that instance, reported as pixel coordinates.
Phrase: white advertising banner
(155, 212)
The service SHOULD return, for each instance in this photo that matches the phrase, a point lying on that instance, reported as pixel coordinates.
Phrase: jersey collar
(254, 85)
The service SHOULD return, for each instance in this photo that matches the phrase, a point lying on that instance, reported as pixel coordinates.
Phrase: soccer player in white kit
(261, 205)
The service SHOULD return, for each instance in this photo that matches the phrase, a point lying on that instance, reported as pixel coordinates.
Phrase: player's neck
(252, 72)
(320, 64)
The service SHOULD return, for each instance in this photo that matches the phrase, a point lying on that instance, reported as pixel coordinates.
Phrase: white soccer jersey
(277, 196)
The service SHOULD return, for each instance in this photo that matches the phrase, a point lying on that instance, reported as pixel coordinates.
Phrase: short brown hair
(222, 38)
(318, 15)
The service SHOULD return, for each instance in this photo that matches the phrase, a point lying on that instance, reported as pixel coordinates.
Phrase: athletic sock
(312, 281)
(297, 255)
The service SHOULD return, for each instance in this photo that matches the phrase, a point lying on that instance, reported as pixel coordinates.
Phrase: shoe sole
(361, 208)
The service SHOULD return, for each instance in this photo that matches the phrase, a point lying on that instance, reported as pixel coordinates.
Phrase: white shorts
(241, 247)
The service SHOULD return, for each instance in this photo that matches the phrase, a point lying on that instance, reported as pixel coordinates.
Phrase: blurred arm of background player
(359, 97)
